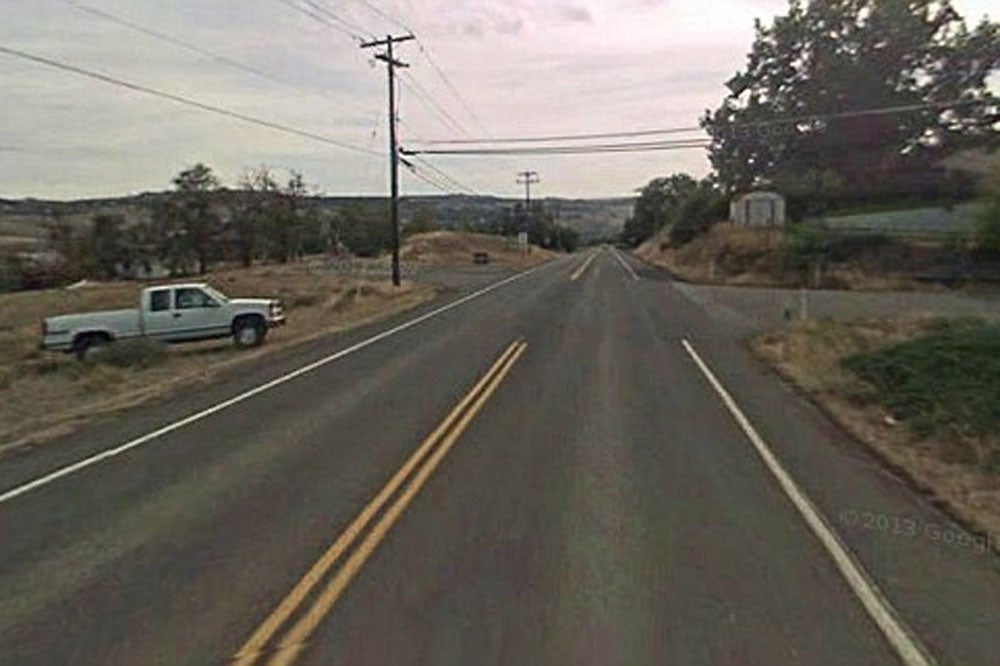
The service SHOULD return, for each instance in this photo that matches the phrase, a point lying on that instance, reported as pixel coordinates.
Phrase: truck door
(198, 315)
(158, 319)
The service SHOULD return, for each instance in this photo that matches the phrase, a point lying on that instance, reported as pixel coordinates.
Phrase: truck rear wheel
(248, 332)
(87, 346)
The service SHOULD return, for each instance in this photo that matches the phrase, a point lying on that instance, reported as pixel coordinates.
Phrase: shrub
(805, 246)
(136, 354)
(945, 380)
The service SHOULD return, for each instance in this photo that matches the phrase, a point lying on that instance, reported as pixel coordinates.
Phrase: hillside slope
(457, 248)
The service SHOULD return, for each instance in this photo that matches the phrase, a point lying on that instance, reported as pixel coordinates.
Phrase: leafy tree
(317, 233)
(838, 56)
(807, 248)
(256, 202)
(655, 206)
(567, 239)
(186, 225)
(364, 230)
(697, 212)
(423, 220)
(293, 217)
(70, 243)
(679, 203)
(138, 247)
(107, 244)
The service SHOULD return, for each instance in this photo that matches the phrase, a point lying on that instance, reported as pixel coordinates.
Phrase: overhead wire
(187, 101)
(323, 9)
(793, 120)
(430, 181)
(451, 87)
(320, 18)
(194, 48)
(655, 146)
(426, 52)
(451, 180)
(432, 105)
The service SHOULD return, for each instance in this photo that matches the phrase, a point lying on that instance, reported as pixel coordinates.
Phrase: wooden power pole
(527, 178)
(389, 59)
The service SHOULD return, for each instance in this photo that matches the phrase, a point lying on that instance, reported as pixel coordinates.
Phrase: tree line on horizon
(199, 223)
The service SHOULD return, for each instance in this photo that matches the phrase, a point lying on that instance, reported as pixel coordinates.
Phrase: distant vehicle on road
(481, 258)
(171, 313)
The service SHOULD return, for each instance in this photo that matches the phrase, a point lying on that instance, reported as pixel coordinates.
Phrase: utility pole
(389, 59)
(527, 178)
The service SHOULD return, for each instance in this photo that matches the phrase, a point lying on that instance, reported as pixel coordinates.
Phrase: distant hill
(592, 218)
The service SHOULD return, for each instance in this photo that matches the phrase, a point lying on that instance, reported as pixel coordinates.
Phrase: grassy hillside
(457, 248)
(760, 257)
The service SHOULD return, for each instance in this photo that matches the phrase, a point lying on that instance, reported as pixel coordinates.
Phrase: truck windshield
(217, 295)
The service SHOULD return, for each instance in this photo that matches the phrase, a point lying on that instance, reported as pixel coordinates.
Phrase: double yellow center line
(417, 470)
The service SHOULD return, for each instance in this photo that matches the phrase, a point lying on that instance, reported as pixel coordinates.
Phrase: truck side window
(188, 299)
(159, 300)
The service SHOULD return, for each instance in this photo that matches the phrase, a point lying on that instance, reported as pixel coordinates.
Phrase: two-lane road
(576, 465)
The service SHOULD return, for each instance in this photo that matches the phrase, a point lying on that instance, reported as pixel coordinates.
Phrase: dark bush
(945, 380)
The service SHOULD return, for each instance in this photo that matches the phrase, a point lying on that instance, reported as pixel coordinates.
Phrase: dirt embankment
(454, 248)
(44, 393)
(739, 256)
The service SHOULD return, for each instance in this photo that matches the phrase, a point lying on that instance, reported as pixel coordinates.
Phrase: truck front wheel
(248, 332)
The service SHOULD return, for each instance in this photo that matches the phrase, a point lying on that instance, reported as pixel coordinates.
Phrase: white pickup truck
(172, 313)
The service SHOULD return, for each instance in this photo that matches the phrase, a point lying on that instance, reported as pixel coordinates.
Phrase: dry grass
(810, 354)
(740, 256)
(44, 393)
(453, 248)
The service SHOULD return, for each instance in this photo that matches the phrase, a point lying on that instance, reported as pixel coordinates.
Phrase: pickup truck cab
(171, 313)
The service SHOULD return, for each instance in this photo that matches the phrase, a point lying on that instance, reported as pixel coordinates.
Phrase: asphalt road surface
(579, 465)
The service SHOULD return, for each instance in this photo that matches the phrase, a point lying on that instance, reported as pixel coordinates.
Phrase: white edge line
(89, 461)
(905, 643)
(628, 267)
(580, 271)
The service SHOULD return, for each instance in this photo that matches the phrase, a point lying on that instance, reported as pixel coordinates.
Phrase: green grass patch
(947, 380)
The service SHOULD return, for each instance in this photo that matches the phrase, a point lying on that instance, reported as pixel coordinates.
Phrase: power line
(329, 13)
(425, 51)
(562, 137)
(194, 48)
(454, 91)
(794, 120)
(287, 129)
(433, 106)
(569, 150)
(454, 182)
(378, 11)
(320, 18)
(433, 182)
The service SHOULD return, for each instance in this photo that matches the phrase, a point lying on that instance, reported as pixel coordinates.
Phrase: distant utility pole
(527, 178)
(389, 59)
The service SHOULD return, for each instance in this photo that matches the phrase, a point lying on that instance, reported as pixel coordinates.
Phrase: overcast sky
(524, 67)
